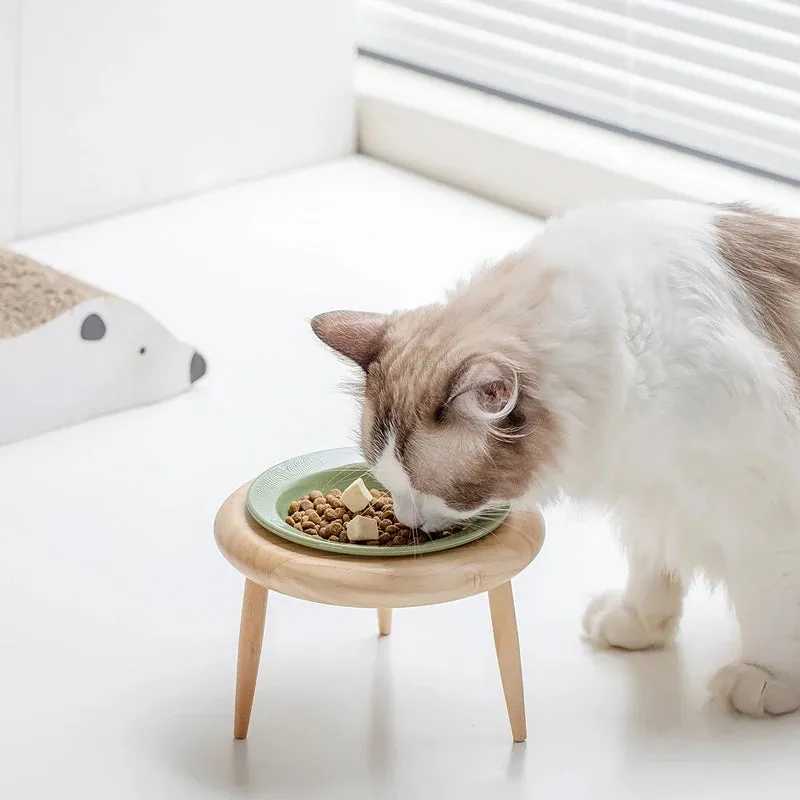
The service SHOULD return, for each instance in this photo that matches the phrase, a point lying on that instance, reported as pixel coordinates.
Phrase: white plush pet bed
(70, 352)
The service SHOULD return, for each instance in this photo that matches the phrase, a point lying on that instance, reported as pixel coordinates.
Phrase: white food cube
(362, 529)
(356, 496)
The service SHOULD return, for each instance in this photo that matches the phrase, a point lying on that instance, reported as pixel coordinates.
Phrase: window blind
(721, 77)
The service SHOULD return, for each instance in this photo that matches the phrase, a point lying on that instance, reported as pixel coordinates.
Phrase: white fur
(679, 417)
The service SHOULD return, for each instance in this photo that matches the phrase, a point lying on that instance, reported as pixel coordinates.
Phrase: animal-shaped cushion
(70, 352)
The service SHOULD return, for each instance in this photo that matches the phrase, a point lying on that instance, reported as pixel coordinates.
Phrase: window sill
(529, 159)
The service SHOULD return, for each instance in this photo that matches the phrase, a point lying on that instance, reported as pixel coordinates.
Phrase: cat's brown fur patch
(424, 354)
(763, 252)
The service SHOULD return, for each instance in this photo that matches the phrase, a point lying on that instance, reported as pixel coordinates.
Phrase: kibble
(324, 516)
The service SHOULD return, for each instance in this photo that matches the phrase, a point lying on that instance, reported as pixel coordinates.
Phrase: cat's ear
(357, 335)
(487, 390)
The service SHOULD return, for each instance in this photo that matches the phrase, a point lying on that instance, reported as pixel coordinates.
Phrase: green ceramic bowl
(271, 492)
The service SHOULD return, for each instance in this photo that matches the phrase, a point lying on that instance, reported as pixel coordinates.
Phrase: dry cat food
(357, 515)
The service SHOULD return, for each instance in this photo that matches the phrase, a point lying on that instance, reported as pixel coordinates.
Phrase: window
(720, 77)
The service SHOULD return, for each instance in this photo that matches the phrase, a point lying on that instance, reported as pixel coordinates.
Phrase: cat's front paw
(754, 690)
(609, 622)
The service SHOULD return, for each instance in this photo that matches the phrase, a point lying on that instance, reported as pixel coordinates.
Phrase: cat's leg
(645, 615)
(765, 591)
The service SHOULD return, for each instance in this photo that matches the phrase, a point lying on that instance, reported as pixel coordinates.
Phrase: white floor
(118, 617)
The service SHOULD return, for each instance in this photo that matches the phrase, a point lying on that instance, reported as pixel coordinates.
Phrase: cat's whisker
(510, 435)
(415, 536)
(334, 479)
(331, 482)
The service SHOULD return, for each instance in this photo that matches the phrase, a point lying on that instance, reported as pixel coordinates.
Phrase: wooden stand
(269, 562)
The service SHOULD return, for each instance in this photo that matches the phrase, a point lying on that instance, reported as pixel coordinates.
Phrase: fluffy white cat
(644, 356)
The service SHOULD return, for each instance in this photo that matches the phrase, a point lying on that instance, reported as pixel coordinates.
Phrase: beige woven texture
(32, 294)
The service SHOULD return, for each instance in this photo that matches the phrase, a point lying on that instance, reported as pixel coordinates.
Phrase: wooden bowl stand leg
(251, 635)
(384, 621)
(506, 642)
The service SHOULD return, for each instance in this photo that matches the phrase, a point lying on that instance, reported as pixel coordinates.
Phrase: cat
(643, 356)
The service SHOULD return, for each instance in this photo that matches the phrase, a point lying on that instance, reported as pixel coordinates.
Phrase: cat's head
(451, 423)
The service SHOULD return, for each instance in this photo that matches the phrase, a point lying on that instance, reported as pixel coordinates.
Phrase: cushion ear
(93, 328)
(357, 335)
(487, 390)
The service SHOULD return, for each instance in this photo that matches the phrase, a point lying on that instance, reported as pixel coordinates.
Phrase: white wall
(8, 28)
(124, 103)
